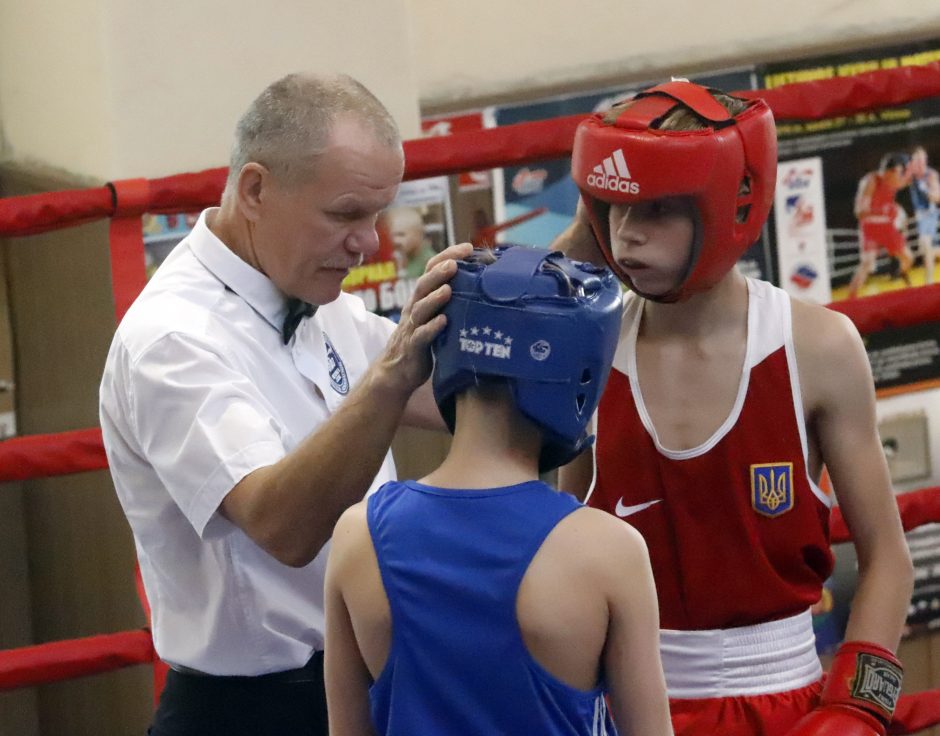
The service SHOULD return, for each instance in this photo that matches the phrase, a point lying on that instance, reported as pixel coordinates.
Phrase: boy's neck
(722, 306)
(493, 444)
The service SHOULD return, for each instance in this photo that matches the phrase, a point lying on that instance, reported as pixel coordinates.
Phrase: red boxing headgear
(728, 169)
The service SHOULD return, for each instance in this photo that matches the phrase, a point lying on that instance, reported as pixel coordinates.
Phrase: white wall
(123, 88)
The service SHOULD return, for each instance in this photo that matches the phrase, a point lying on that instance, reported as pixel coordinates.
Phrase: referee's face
(311, 234)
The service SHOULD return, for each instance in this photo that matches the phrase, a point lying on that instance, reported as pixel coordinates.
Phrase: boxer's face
(651, 241)
(894, 176)
(919, 162)
(310, 234)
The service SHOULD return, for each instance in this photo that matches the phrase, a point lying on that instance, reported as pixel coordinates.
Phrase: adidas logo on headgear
(612, 173)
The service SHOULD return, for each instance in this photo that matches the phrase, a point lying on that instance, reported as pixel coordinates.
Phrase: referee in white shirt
(246, 402)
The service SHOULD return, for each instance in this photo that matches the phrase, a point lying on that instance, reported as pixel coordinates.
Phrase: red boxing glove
(837, 720)
(860, 693)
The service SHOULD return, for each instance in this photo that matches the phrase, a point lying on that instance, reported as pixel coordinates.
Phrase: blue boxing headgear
(547, 324)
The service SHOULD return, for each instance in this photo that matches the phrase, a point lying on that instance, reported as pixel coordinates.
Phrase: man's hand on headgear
(407, 356)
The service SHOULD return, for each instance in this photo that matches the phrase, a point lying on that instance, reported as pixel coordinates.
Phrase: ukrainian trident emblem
(772, 488)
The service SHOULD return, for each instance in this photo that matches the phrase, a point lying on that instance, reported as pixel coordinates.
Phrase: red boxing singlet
(879, 228)
(736, 529)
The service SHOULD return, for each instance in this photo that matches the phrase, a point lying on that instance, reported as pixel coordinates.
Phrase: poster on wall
(865, 189)
(162, 233)
(411, 230)
(800, 207)
(881, 189)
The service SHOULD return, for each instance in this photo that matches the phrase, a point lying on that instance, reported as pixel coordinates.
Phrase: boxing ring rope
(124, 202)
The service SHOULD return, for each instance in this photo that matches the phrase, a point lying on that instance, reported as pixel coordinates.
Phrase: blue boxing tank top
(451, 563)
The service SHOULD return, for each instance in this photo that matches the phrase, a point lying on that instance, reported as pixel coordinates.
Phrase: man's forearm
(289, 508)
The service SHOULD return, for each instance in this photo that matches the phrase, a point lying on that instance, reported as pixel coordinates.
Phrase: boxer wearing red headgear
(727, 171)
(725, 401)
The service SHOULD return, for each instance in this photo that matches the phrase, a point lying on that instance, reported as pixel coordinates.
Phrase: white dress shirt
(198, 391)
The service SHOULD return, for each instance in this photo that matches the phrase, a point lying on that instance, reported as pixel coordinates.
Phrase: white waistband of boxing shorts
(765, 658)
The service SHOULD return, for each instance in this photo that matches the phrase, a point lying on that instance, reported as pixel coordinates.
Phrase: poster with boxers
(546, 187)
(856, 208)
(872, 154)
(411, 230)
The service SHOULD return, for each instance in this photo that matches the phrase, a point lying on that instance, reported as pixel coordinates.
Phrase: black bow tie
(296, 311)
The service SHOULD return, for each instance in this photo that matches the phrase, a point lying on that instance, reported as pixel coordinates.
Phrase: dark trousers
(280, 704)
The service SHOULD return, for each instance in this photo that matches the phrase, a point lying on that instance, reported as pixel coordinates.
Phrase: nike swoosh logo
(623, 511)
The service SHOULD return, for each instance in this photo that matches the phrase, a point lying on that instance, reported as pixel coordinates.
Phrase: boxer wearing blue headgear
(545, 324)
(478, 600)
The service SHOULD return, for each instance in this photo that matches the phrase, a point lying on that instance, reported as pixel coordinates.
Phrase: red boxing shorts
(878, 232)
(773, 714)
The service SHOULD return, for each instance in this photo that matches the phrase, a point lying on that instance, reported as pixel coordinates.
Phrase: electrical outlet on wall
(906, 442)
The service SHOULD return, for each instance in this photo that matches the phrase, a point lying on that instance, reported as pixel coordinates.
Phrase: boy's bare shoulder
(351, 530)
(819, 328)
(596, 536)
(831, 356)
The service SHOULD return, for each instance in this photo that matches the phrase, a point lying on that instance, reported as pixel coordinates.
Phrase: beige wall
(489, 49)
(121, 88)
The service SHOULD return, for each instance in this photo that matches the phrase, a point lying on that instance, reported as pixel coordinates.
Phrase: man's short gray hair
(288, 125)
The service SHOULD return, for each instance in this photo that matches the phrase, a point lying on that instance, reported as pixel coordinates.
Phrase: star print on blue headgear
(547, 324)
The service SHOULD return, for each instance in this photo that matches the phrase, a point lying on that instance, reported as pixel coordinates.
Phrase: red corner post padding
(128, 270)
(64, 660)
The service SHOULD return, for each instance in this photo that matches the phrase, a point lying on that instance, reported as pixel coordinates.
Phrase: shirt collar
(250, 284)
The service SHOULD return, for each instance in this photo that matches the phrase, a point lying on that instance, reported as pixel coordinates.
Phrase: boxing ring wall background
(42, 453)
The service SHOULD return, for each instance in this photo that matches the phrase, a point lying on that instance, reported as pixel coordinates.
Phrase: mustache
(344, 263)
